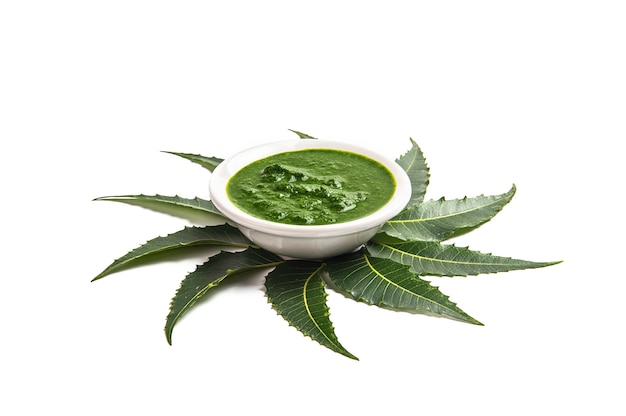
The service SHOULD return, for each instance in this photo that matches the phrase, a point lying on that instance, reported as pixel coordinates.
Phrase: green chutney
(312, 187)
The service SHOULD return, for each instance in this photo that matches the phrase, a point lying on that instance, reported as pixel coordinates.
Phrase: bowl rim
(231, 165)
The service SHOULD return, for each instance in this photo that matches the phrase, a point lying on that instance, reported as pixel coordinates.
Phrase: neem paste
(311, 187)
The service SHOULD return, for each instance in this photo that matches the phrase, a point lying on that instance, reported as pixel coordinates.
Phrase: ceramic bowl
(306, 241)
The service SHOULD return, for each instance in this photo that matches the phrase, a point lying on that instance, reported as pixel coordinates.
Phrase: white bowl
(306, 241)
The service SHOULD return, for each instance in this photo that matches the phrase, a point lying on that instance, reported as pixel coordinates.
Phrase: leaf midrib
(406, 290)
(440, 260)
(441, 216)
(410, 165)
(217, 281)
(308, 311)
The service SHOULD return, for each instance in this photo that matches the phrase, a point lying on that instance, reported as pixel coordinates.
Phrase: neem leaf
(222, 235)
(432, 258)
(303, 135)
(414, 164)
(210, 274)
(296, 291)
(443, 219)
(385, 283)
(209, 163)
(386, 272)
(173, 205)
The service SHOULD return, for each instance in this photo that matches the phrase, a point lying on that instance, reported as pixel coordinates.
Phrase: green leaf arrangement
(387, 271)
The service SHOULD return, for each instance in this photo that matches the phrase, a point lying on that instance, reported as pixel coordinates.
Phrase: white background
(494, 92)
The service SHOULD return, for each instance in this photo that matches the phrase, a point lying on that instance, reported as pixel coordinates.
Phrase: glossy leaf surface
(210, 274)
(222, 235)
(432, 258)
(296, 291)
(443, 219)
(209, 163)
(194, 208)
(415, 166)
(385, 283)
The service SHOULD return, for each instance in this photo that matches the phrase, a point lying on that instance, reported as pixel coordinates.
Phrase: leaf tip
(302, 135)
(168, 335)
(476, 322)
(103, 273)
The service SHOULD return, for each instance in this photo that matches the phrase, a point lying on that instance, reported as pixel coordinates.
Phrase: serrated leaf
(303, 135)
(192, 208)
(210, 274)
(443, 219)
(296, 291)
(433, 258)
(383, 282)
(223, 235)
(206, 162)
(414, 164)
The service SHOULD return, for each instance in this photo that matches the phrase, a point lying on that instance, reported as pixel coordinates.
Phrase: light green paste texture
(311, 187)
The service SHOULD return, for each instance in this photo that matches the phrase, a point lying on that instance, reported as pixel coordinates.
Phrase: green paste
(311, 187)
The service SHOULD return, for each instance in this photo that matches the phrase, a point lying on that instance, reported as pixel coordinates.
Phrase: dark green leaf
(415, 166)
(223, 235)
(385, 283)
(210, 274)
(443, 219)
(296, 291)
(195, 209)
(303, 135)
(209, 163)
(432, 258)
